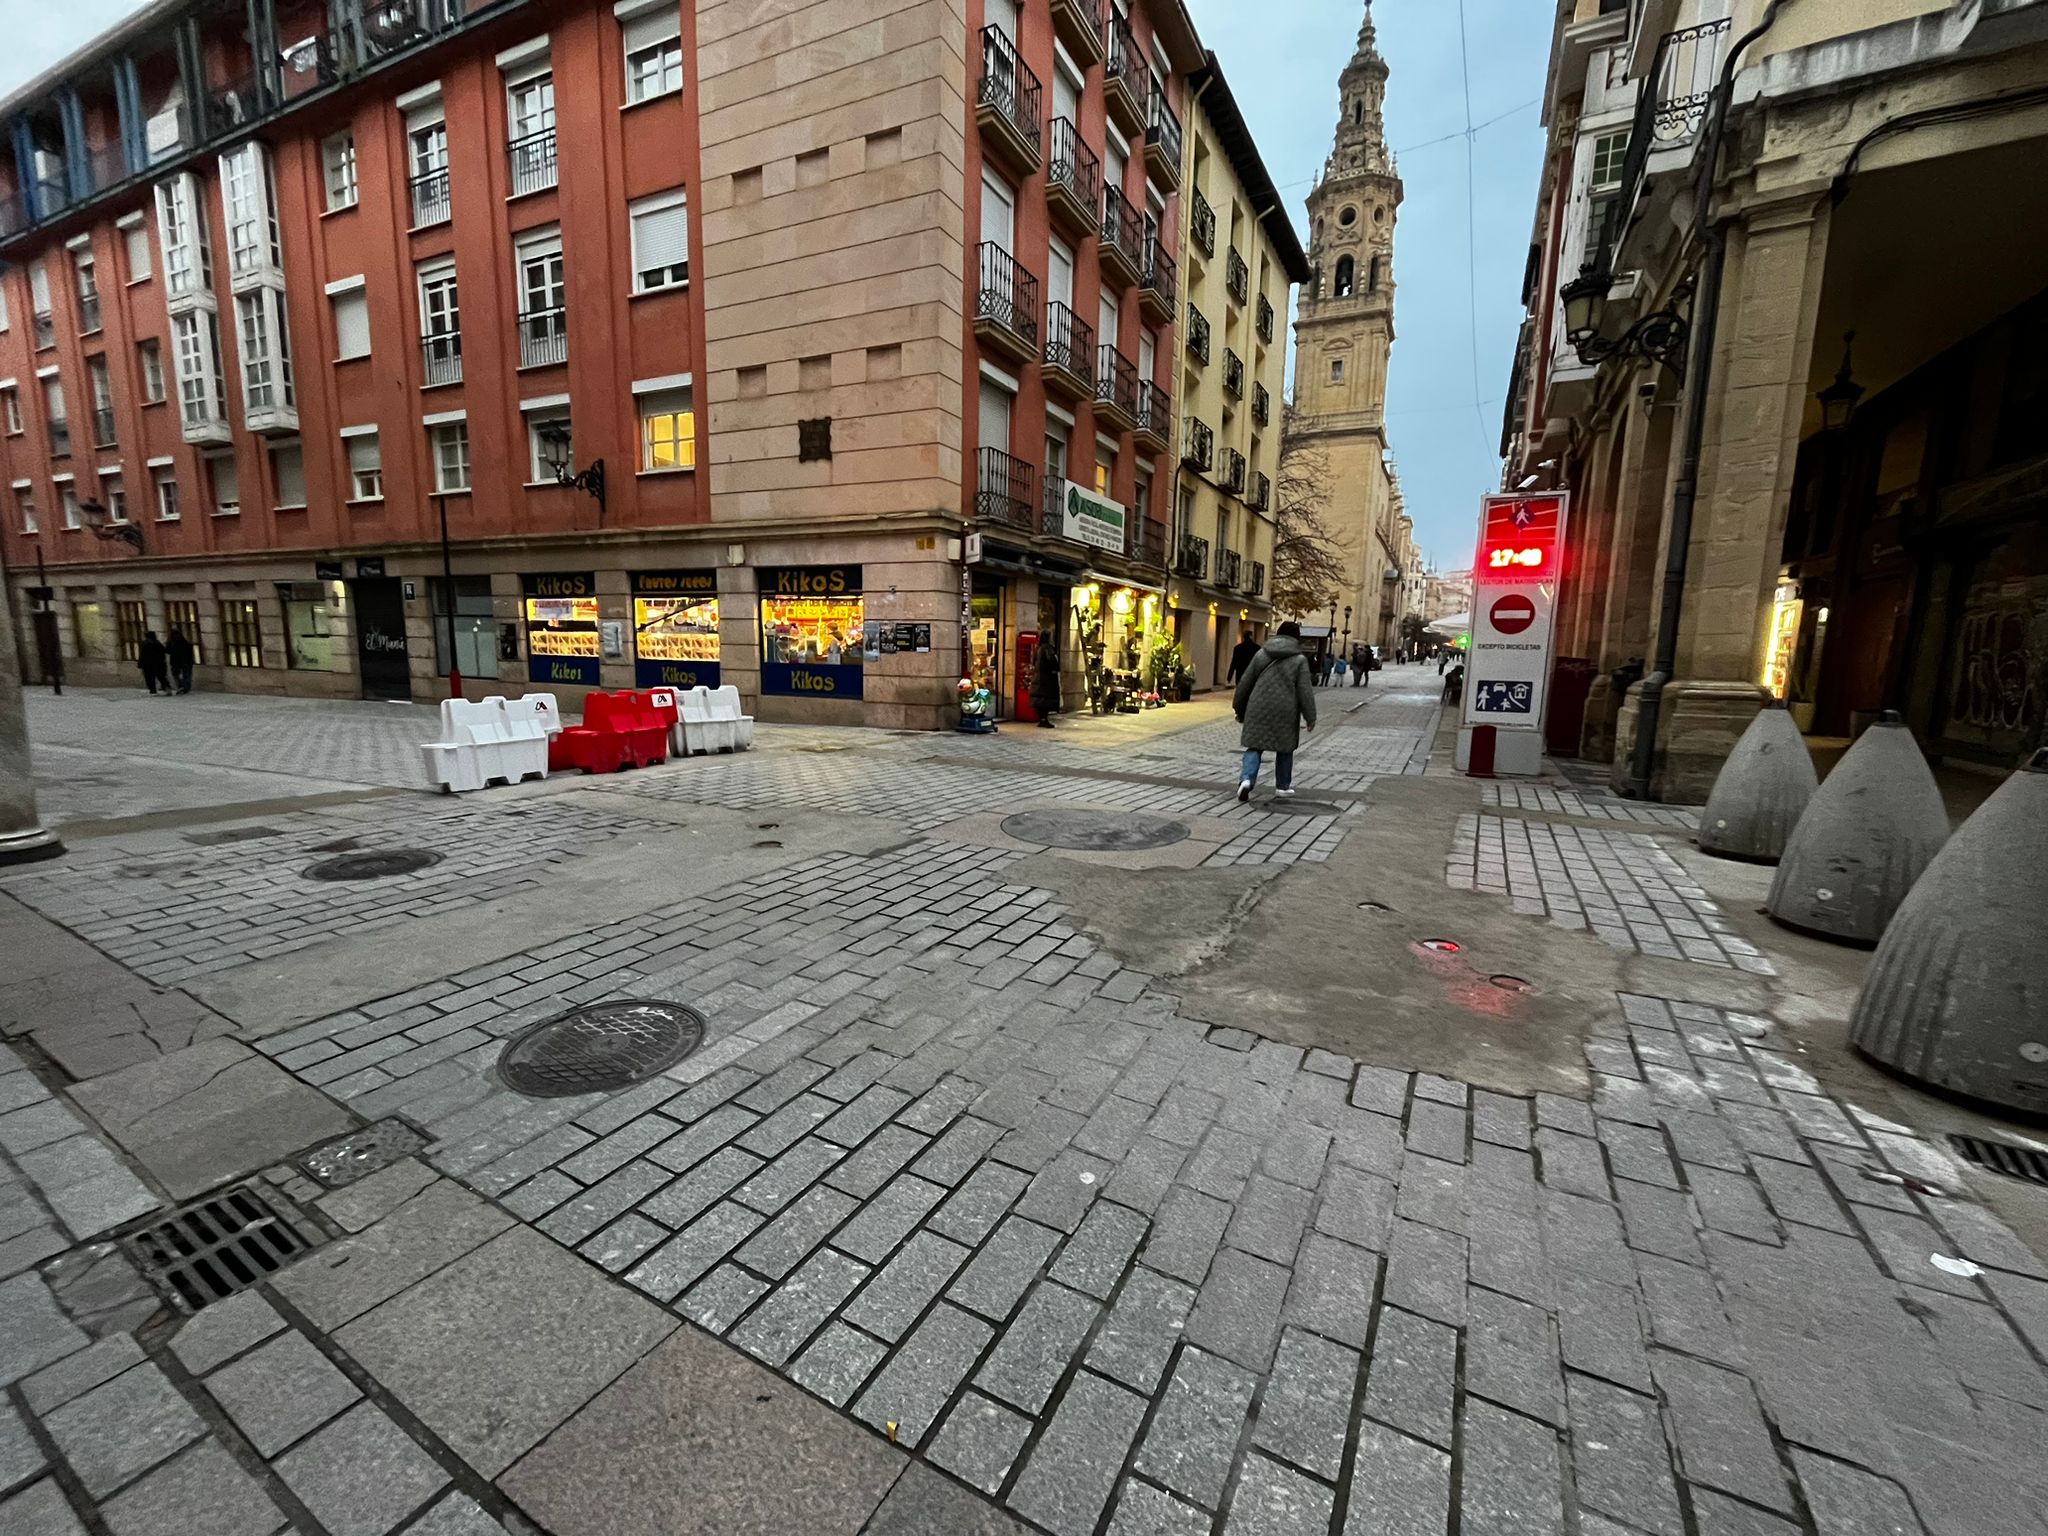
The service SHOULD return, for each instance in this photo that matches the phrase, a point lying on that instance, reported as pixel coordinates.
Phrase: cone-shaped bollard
(1956, 995)
(1867, 834)
(1760, 791)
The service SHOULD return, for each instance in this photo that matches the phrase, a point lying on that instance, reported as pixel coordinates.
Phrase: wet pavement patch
(206, 1251)
(373, 864)
(361, 1153)
(600, 1048)
(1094, 831)
(231, 835)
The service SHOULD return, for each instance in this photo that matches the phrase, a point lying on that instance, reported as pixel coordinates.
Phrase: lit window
(241, 636)
(668, 430)
(365, 466)
(338, 157)
(451, 455)
(654, 53)
(661, 242)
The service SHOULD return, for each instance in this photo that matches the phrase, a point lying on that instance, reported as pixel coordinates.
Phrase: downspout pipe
(1699, 370)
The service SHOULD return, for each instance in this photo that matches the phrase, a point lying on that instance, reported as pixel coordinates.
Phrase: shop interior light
(1120, 600)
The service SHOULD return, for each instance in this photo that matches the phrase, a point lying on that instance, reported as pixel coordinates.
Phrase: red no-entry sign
(1512, 614)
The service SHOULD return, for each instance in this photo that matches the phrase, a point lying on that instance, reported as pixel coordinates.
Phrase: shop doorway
(380, 638)
(985, 640)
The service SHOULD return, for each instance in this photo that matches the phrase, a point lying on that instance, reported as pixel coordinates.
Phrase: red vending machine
(1027, 664)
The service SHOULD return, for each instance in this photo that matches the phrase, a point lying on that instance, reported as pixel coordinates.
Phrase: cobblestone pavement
(1569, 802)
(1622, 885)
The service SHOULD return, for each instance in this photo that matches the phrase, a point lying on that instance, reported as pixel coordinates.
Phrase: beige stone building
(1344, 334)
(1240, 260)
(1866, 521)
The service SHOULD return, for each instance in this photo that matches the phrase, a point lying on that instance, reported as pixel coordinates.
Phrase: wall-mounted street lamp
(555, 454)
(1659, 337)
(104, 525)
(1838, 400)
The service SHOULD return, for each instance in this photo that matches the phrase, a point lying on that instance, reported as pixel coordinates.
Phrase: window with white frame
(288, 474)
(135, 245)
(365, 465)
(54, 411)
(668, 429)
(661, 241)
(149, 360)
(549, 444)
(10, 410)
(88, 290)
(67, 498)
(338, 166)
(653, 38)
(221, 478)
(450, 442)
(351, 323)
(530, 125)
(440, 323)
(114, 498)
(195, 342)
(25, 505)
(543, 300)
(246, 195)
(266, 351)
(1610, 151)
(427, 159)
(101, 381)
(39, 299)
(163, 479)
(3, 306)
(181, 229)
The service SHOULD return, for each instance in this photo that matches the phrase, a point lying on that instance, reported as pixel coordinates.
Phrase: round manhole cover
(600, 1048)
(373, 864)
(1094, 831)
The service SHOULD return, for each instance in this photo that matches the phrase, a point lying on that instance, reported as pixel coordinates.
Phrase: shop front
(563, 637)
(1126, 653)
(675, 629)
(814, 632)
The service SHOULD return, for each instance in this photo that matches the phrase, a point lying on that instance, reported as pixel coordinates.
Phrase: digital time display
(1527, 558)
(1518, 539)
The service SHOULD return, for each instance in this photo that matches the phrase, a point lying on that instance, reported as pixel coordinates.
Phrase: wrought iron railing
(1262, 405)
(1162, 128)
(1069, 343)
(431, 202)
(1202, 224)
(1149, 545)
(1123, 227)
(1258, 586)
(1155, 409)
(1229, 567)
(1072, 165)
(103, 428)
(1125, 65)
(1265, 318)
(543, 337)
(1198, 444)
(1261, 496)
(441, 357)
(1116, 381)
(1237, 277)
(1008, 295)
(1232, 478)
(1198, 334)
(1233, 374)
(531, 161)
(1157, 273)
(1191, 557)
(1672, 107)
(1004, 490)
(1008, 85)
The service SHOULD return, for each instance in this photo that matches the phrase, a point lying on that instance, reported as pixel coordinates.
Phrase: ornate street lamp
(1660, 337)
(1838, 400)
(555, 454)
(105, 526)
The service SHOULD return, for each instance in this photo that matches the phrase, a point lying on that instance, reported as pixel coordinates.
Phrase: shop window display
(562, 635)
(1118, 631)
(812, 631)
(675, 629)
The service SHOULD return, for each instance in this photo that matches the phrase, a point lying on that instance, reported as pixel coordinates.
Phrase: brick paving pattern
(1570, 802)
(1621, 885)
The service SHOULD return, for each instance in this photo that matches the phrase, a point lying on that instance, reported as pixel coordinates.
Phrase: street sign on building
(1088, 518)
(1514, 607)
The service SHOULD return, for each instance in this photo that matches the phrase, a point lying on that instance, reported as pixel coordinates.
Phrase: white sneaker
(1244, 790)
(1283, 794)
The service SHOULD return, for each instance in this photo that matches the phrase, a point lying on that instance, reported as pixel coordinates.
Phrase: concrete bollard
(1866, 835)
(1760, 791)
(1956, 996)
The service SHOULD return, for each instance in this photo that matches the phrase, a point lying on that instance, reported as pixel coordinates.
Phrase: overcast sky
(1282, 59)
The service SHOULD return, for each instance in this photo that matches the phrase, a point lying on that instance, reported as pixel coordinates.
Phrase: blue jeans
(1283, 769)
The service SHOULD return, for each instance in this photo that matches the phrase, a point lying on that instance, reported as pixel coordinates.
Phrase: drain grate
(361, 1153)
(2015, 1162)
(598, 1049)
(373, 864)
(212, 1248)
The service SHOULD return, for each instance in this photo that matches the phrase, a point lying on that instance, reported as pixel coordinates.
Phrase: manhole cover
(361, 1153)
(373, 864)
(2015, 1162)
(1094, 831)
(600, 1048)
(230, 835)
(215, 1247)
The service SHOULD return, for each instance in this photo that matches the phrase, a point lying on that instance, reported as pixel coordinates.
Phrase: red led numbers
(1526, 559)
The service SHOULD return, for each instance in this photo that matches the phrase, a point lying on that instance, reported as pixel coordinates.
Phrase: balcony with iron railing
(431, 200)
(1122, 245)
(1069, 353)
(1191, 558)
(441, 358)
(236, 104)
(1670, 112)
(543, 337)
(1258, 586)
(1155, 415)
(1073, 179)
(1232, 476)
(1265, 319)
(1198, 444)
(1005, 491)
(60, 438)
(1162, 138)
(1126, 82)
(1006, 304)
(1202, 224)
(1237, 277)
(1198, 335)
(1261, 497)
(1262, 406)
(103, 428)
(531, 162)
(1158, 282)
(1229, 568)
(1007, 104)
(1080, 26)
(1116, 389)
(1148, 543)
(106, 166)
(1233, 374)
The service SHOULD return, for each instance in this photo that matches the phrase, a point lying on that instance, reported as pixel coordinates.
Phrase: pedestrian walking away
(1045, 684)
(1275, 698)
(1241, 657)
(154, 661)
(1454, 684)
(178, 651)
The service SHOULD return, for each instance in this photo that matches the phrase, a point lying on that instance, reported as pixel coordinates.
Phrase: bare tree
(1308, 562)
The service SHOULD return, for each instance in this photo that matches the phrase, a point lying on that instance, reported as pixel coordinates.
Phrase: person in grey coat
(1275, 698)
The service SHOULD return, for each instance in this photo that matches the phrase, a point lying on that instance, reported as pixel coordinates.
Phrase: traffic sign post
(1514, 608)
